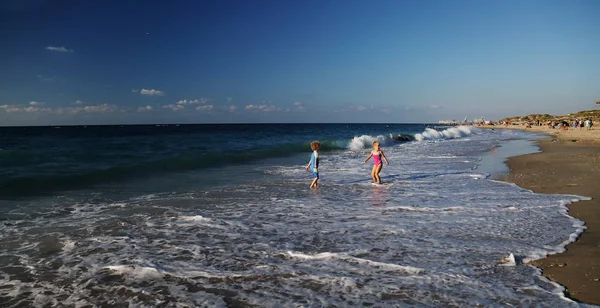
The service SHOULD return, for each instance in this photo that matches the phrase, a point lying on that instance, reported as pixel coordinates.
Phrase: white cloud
(25, 108)
(181, 104)
(86, 109)
(100, 108)
(78, 102)
(35, 107)
(265, 108)
(144, 108)
(174, 107)
(386, 111)
(58, 49)
(299, 106)
(151, 92)
(192, 101)
(435, 107)
(361, 108)
(204, 107)
(232, 108)
(12, 108)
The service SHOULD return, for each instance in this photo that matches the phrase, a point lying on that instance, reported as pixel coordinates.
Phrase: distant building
(447, 122)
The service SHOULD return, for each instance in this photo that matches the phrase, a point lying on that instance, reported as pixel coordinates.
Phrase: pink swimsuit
(377, 159)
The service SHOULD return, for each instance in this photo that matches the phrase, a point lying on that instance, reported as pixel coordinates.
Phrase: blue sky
(108, 62)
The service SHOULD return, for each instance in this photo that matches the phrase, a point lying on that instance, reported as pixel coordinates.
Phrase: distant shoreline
(583, 135)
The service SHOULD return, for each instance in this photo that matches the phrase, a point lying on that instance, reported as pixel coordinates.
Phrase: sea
(223, 216)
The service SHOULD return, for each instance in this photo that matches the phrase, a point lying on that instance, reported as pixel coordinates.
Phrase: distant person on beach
(377, 155)
(313, 164)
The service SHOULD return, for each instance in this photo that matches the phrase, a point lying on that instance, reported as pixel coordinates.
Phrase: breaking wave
(450, 133)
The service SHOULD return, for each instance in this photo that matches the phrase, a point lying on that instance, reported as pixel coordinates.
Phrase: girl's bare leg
(377, 170)
(374, 174)
(314, 183)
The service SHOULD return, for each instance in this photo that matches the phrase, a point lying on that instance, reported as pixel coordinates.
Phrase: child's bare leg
(374, 174)
(377, 170)
(314, 183)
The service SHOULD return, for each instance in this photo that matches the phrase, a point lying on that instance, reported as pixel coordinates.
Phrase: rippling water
(251, 233)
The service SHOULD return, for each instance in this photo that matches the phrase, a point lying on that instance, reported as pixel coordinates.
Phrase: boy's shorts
(315, 173)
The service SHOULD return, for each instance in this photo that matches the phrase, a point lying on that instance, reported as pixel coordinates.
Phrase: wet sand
(568, 164)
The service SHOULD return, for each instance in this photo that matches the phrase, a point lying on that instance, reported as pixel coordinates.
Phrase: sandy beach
(569, 163)
(581, 135)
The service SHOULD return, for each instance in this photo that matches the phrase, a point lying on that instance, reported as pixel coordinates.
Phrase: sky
(135, 62)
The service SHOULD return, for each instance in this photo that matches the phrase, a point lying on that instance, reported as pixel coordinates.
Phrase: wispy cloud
(361, 108)
(193, 101)
(174, 107)
(45, 78)
(13, 108)
(30, 107)
(232, 108)
(58, 49)
(78, 102)
(182, 104)
(205, 108)
(299, 106)
(266, 108)
(36, 107)
(144, 108)
(90, 108)
(435, 107)
(151, 92)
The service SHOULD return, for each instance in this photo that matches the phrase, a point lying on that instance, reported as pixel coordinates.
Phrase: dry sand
(568, 164)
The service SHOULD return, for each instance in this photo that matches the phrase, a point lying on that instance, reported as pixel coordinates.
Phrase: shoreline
(568, 163)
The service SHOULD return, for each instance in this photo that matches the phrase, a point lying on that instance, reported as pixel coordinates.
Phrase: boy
(313, 164)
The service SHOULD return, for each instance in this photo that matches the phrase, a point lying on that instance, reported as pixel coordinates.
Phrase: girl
(377, 155)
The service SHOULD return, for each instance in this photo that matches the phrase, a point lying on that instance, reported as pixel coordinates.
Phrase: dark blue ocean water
(35, 160)
(222, 216)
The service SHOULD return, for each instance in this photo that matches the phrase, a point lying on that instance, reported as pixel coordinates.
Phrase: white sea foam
(351, 259)
(195, 218)
(138, 272)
